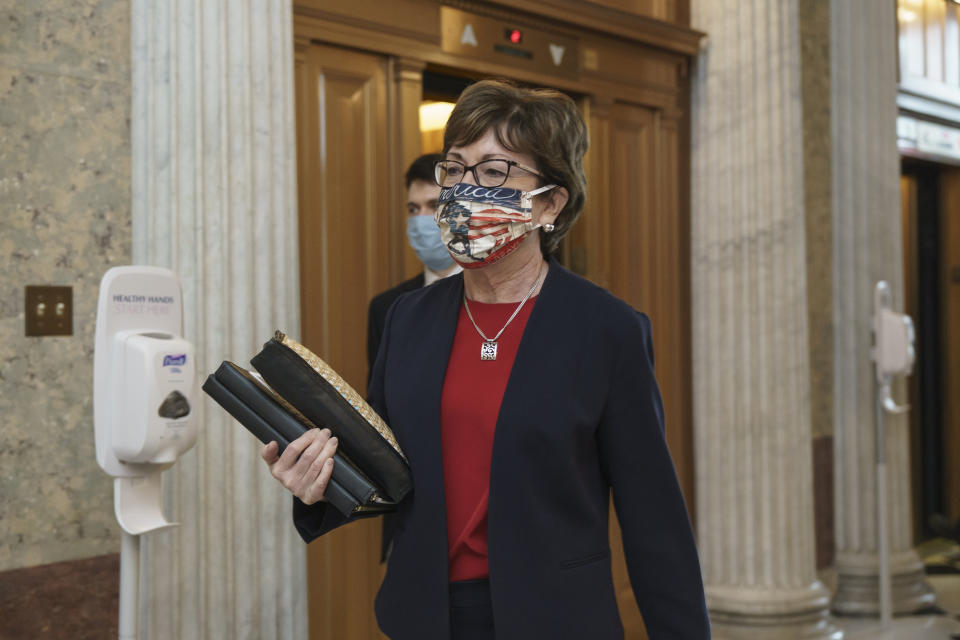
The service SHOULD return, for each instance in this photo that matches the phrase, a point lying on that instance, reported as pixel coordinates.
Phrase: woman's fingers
(313, 482)
(315, 491)
(295, 449)
(269, 452)
(302, 467)
(306, 465)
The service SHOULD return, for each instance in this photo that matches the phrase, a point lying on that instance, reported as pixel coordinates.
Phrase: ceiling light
(433, 115)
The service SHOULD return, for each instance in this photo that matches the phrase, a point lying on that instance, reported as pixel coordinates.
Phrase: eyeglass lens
(489, 173)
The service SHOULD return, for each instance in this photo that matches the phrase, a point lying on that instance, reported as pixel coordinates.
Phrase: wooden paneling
(666, 10)
(417, 20)
(649, 252)
(950, 323)
(343, 147)
(616, 18)
(908, 217)
(408, 86)
(660, 23)
(588, 244)
(431, 141)
(929, 47)
(605, 59)
(623, 55)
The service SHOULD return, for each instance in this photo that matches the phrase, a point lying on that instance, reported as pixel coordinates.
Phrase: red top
(472, 393)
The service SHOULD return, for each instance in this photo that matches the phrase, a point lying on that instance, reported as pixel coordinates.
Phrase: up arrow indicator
(556, 52)
(468, 36)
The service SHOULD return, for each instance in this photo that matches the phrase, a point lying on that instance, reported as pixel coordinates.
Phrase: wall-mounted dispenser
(893, 355)
(144, 405)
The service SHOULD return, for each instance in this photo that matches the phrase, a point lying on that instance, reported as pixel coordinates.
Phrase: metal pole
(129, 585)
(883, 531)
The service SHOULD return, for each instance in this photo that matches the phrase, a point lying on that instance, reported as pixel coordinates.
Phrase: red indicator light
(515, 36)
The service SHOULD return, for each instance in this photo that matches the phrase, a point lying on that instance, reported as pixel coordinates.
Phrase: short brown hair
(423, 168)
(542, 123)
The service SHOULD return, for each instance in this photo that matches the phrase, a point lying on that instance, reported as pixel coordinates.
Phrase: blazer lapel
(425, 353)
(526, 376)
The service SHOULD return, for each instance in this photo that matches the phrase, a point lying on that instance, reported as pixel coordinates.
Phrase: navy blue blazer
(581, 416)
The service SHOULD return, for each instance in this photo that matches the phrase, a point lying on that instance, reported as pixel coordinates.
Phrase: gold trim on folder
(343, 388)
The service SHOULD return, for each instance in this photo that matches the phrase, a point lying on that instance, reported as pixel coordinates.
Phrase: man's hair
(423, 169)
(542, 123)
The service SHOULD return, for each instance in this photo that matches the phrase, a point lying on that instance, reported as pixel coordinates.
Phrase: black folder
(271, 418)
(308, 383)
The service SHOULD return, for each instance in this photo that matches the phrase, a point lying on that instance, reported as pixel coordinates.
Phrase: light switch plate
(48, 310)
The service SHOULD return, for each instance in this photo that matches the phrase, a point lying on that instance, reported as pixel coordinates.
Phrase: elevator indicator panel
(477, 37)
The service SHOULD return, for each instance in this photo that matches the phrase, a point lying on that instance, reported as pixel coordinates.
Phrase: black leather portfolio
(300, 392)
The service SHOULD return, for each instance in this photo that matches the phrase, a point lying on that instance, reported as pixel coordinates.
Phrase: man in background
(424, 236)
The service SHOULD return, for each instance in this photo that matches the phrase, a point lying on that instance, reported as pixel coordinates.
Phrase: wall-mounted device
(893, 355)
(893, 351)
(144, 373)
(144, 405)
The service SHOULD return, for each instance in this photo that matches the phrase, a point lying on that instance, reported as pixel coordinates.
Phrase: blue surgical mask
(424, 235)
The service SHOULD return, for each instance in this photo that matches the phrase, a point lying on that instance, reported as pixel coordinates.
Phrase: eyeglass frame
(473, 169)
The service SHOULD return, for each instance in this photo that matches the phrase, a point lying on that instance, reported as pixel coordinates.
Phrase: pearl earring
(548, 227)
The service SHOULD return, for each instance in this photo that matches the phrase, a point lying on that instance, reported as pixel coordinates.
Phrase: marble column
(867, 247)
(754, 489)
(214, 198)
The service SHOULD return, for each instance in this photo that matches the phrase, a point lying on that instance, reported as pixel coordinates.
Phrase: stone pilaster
(750, 357)
(214, 199)
(867, 247)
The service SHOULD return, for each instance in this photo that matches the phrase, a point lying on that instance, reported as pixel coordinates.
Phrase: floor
(910, 628)
(945, 627)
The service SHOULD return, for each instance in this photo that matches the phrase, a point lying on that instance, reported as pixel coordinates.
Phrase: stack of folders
(296, 391)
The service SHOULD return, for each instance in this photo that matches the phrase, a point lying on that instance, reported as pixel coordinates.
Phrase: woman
(521, 395)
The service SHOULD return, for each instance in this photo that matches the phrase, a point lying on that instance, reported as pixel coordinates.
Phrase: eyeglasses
(488, 173)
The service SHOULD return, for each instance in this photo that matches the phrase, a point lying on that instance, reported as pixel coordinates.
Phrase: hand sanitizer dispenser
(144, 376)
(144, 405)
(893, 355)
(153, 417)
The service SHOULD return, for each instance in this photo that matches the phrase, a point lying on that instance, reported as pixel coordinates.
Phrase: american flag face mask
(480, 225)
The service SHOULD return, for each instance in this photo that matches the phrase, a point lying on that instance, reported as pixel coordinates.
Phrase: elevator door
(343, 150)
(930, 204)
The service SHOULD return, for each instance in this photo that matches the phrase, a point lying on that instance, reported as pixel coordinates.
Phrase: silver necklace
(488, 350)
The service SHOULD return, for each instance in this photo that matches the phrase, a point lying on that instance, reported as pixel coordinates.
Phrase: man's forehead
(423, 190)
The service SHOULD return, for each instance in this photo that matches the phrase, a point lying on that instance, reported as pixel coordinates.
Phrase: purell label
(175, 361)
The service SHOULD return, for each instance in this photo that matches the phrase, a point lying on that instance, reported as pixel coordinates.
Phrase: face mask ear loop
(526, 198)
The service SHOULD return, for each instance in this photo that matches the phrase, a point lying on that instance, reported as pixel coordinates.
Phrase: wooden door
(634, 240)
(950, 326)
(911, 279)
(346, 213)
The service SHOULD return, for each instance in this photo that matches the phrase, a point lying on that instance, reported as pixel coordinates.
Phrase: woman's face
(546, 207)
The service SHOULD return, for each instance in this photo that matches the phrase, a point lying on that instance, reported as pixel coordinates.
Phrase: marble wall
(817, 182)
(64, 220)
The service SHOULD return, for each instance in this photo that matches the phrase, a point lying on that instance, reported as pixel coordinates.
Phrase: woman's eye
(454, 171)
(493, 173)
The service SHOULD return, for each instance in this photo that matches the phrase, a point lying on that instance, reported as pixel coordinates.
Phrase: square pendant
(488, 351)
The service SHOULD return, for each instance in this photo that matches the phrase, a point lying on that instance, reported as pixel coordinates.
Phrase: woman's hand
(306, 465)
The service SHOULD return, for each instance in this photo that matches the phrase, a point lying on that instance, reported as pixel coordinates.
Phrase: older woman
(522, 395)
